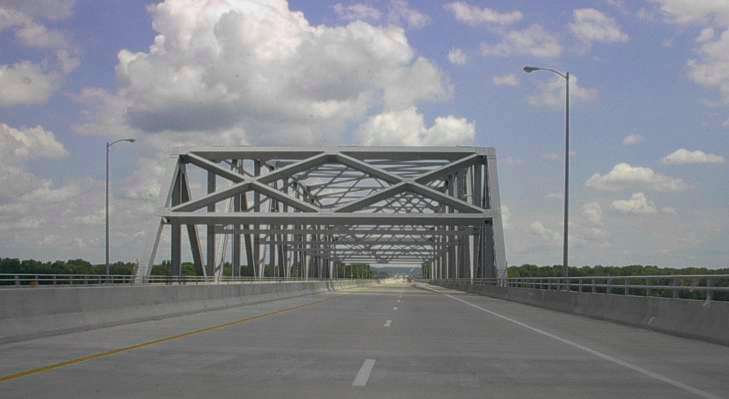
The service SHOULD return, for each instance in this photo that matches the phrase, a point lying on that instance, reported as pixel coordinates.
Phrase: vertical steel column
(247, 237)
(257, 268)
(489, 252)
(316, 272)
(237, 202)
(210, 252)
(273, 243)
(451, 271)
(497, 227)
(441, 254)
(482, 264)
(272, 232)
(176, 235)
(463, 239)
(175, 250)
(307, 256)
(330, 259)
(185, 196)
(284, 236)
(478, 231)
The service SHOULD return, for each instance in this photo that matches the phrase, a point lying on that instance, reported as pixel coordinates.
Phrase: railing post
(709, 291)
(17, 280)
(592, 283)
(625, 286)
(675, 292)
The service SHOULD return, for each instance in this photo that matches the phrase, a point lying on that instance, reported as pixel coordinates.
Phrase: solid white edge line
(604, 356)
(394, 308)
(388, 323)
(363, 374)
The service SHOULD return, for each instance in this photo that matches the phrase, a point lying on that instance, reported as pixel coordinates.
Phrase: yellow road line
(99, 355)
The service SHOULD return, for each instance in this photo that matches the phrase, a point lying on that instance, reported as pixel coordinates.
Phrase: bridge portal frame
(302, 211)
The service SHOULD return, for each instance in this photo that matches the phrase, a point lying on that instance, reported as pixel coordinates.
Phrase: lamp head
(529, 69)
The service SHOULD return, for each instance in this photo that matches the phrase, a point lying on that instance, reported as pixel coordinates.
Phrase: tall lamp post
(108, 147)
(566, 77)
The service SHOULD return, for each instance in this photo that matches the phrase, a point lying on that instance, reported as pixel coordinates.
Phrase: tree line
(81, 266)
(529, 270)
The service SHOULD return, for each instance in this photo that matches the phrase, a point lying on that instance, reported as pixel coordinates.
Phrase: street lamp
(566, 77)
(108, 147)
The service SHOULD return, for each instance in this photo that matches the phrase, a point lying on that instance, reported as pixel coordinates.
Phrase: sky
(649, 110)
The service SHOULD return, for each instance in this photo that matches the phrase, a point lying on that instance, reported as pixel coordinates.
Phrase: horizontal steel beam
(396, 152)
(323, 218)
(347, 231)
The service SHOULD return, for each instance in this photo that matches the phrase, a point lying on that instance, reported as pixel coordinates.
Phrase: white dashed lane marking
(363, 374)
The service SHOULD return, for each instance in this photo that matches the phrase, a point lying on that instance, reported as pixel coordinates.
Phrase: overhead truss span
(299, 212)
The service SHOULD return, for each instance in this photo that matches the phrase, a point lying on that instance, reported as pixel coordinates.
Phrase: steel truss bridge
(300, 212)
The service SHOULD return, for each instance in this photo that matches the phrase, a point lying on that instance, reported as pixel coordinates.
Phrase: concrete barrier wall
(703, 320)
(33, 312)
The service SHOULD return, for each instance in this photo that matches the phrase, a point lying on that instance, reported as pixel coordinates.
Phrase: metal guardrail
(691, 286)
(25, 280)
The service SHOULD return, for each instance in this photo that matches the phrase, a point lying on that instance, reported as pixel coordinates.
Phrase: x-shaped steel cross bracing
(301, 210)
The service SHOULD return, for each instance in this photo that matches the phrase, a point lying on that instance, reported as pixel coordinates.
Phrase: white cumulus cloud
(533, 41)
(687, 12)
(705, 35)
(49, 9)
(25, 83)
(638, 204)
(473, 15)
(407, 127)
(592, 26)
(592, 211)
(624, 176)
(265, 70)
(357, 11)
(551, 94)
(683, 156)
(711, 68)
(401, 13)
(29, 143)
(18, 146)
(457, 56)
(506, 80)
(546, 234)
(633, 139)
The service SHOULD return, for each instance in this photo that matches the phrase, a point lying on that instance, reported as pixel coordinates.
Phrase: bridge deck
(435, 345)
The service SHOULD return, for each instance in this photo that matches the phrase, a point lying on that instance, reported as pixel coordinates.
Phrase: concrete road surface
(394, 340)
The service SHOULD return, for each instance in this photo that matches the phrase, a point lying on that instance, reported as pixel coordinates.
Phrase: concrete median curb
(28, 313)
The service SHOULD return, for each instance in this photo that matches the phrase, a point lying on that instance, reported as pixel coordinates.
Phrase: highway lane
(438, 343)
